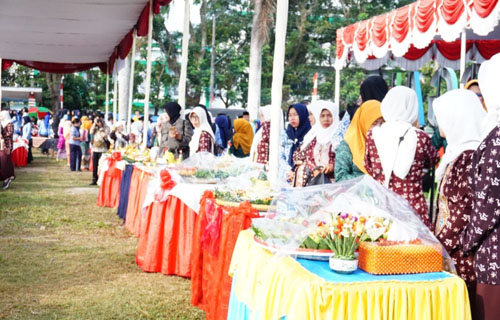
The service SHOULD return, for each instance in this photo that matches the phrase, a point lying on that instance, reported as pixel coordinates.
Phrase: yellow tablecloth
(274, 286)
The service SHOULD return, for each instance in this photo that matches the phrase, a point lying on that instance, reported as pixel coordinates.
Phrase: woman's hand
(328, 169)
(173, 133)
(290, 175)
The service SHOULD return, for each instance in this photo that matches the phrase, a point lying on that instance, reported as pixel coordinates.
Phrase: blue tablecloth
(124, 191)
(322, 269)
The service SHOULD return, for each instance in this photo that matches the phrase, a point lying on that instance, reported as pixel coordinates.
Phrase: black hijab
(298, 134)
(373, 88)
(173, 109)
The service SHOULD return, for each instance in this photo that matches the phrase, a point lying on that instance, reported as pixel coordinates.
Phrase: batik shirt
(263, 145)
(454, 207)
(206, 143)
(481, 235)
(306, 157)
(410, 187)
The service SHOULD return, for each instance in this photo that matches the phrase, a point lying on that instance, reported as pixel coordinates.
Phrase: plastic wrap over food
(296, 214)
(204, 167)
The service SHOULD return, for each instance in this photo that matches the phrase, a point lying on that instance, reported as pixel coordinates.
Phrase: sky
(175, 16)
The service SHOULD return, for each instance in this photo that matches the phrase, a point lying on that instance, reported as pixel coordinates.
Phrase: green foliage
(310, 48)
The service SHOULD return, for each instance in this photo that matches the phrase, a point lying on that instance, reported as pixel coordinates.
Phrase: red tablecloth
(109, 191)
(166, 238)
(20, 157)
(138, 188)
(212, 252)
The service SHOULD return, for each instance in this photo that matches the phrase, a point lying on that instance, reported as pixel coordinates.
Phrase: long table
(270, 287)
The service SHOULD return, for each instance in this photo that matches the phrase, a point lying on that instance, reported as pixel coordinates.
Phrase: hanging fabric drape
(71, 36)
(426, 29)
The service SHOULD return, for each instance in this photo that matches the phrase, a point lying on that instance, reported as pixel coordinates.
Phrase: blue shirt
(74, 132)
(27, 131)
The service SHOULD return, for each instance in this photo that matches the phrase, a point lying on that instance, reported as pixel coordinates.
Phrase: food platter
(258, 207)
(301, 253)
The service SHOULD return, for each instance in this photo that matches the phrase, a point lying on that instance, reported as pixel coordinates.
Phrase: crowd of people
(379, 137)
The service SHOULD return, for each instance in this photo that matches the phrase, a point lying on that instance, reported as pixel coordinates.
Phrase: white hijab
(399, 110)
(323, 135)
(488, 83)
(266, 113)
(204, 126)
(460, 116)
(5, 117)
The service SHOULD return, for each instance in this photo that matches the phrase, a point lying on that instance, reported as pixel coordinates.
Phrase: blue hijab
(225, 134)
(298, 134)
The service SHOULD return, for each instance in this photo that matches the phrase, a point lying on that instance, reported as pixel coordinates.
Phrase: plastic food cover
(295, 213)
(204, 166)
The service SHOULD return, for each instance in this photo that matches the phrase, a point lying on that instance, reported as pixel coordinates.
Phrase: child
(74, 146)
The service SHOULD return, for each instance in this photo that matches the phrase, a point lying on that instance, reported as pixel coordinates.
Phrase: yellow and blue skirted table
(266, 286)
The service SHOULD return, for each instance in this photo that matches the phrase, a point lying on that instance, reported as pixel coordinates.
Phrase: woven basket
(399, 259)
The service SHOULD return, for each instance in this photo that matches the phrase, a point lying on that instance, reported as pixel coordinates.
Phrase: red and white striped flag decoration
(61, 94)
(315, 87)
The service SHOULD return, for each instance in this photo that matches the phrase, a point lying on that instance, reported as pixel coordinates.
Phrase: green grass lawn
(62, 257)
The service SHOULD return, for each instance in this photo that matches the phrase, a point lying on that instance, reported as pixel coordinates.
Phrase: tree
(261, 23)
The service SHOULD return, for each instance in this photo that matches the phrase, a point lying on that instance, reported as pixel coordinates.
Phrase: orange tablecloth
(210, 283)
(109, 190)
(138, 189)
(166, 238)
(20, 157)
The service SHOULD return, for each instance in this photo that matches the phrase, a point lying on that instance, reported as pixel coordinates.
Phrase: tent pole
(184, 57)
(106, 107)
(1, 84)
(131, 83)
(115, 94)
(148, 78)
(277, 87)
(337, 87)
(462, 57)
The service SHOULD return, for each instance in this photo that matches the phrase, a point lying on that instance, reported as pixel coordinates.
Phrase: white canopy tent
(63, 36)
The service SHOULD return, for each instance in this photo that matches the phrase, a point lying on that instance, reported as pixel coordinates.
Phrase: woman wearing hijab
(61, 142)
(6, 147)
(298, 127)
(242, 138)
(397, 152)
(85, 142)
(260, 146)
(454, 202)
(473, 85)
(481, 236)
(27, 131)
(223, 126)
(317, 151)
(176, 133)
(350, 154)
(373, 88)
(44, 127)
(203, 139)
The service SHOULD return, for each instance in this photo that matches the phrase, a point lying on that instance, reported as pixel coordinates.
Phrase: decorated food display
(258, 193)
(353, 221)
(206, 168)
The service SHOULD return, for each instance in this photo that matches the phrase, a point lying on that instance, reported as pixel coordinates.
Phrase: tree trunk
(53, 83)
(260, 27)
(203, 27)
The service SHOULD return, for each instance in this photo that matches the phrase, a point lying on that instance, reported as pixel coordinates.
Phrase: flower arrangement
(343, 234)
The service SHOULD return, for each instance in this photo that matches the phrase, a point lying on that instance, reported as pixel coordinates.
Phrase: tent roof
(20, 93)
(426, 29)
(70, 35)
